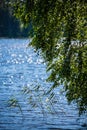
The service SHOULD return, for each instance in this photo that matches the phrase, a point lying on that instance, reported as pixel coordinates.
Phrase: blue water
(22, 70)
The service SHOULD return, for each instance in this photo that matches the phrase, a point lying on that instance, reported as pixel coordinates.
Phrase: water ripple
(22, 70)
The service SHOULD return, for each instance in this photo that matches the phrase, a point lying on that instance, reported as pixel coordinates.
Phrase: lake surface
(24, 104)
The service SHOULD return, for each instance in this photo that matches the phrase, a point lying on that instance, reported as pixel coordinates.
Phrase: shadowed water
(22, 71)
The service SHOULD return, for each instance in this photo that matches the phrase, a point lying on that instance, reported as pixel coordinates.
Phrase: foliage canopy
(59, 30)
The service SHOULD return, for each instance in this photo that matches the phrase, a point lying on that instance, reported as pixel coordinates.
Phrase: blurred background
(9, 25)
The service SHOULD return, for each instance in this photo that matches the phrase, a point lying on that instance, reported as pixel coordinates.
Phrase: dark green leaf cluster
(60, 32)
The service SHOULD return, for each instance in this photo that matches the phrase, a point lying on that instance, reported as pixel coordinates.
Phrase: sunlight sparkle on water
(23, 70)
